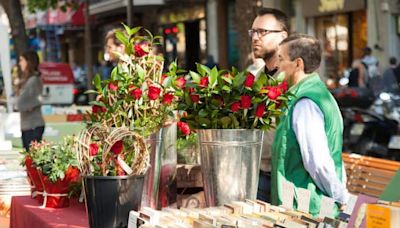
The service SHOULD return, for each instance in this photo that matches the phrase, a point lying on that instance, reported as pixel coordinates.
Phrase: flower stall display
(52, 168)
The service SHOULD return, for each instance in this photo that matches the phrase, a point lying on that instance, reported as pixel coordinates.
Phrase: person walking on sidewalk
(304, 158)
(29, 99)
(269, 28)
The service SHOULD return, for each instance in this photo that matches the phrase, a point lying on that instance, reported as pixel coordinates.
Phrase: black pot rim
(113, 177)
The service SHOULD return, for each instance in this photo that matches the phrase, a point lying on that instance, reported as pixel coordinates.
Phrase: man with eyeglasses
(269, 28)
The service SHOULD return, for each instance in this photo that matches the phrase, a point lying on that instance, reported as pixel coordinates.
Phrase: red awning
(59, 17)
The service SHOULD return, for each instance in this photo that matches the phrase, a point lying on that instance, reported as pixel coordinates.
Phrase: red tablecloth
(26, 212)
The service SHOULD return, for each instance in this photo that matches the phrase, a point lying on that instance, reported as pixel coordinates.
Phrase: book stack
(236, 214)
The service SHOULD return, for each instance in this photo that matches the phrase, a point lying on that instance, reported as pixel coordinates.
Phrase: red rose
(283, 86)
(195, 98)
(139, 51)
(260, 110)
(274, 92)
(93, 149)
(183, 127)
(154, 92)
(97, 109)
(249, 81)
(191, 90)
(112, 86)
(180, 82)
(204, 81)
(117, 147)
(235, 106)
(136, 93)
(167, 98)
(245, 101)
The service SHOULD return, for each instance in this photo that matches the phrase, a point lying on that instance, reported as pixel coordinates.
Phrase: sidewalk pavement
(13, 181)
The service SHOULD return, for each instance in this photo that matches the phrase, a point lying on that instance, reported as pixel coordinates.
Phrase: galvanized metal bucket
(230, 161)
(159, 183)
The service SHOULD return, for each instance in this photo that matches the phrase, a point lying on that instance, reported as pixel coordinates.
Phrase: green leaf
(239, 79)
(134, 30)
(167, 82)
(202, 70)
(225, 121)
(195, 77)
(203, 113)
(121, 37)
(140, 72)
(172, 66)
(226, 88)
(91, 91)
(213, 77)
(204, 122)
(114, 73)
(234, 120)
(98, 103)
(129, 49)
(97, 81)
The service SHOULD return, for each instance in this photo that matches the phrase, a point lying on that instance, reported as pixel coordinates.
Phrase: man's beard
(268, 54)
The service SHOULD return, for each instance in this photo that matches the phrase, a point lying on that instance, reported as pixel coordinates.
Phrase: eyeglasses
(262, 32)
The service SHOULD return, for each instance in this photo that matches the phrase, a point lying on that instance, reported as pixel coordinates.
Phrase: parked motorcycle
(370, 123)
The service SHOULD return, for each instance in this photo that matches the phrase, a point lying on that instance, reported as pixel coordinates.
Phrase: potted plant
(229, 110)
(52, 168)
(130, 106)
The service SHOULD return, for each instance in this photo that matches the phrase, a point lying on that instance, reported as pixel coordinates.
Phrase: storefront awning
(72, 17)
(312, 8)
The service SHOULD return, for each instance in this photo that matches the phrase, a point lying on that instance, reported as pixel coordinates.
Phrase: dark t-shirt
(270, 72)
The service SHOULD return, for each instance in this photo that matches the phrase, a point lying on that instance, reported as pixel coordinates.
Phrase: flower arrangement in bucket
(52, 169)
(131, 105)
(229, 110)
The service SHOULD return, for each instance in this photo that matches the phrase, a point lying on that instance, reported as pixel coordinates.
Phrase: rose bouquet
(132, 104)
(221, 99)
(134, 96)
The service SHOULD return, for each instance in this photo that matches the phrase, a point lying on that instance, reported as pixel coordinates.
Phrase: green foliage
(53, 159)
(222, 99)
(119, 102)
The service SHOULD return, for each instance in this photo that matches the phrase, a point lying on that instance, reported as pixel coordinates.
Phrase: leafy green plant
(53, 160)
(221, 99)
(136, 95)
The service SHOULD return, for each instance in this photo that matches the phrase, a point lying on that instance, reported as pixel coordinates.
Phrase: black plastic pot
(109, 199)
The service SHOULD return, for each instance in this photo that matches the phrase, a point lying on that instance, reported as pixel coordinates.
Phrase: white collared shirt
(308, 125)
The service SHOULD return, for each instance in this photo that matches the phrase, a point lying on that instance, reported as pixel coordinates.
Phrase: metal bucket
(230, 161)
(160, 184)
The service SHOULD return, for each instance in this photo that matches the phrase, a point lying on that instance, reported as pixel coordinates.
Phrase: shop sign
(330, 5)
(186, 14)
(312, 8)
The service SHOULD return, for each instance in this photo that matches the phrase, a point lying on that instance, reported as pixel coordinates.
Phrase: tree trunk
(88, 49)
(246, 11)
(17, 24)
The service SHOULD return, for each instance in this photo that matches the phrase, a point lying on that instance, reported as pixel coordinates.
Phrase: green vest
(286, 156)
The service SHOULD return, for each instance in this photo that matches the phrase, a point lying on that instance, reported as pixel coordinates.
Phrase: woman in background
(29, 99)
